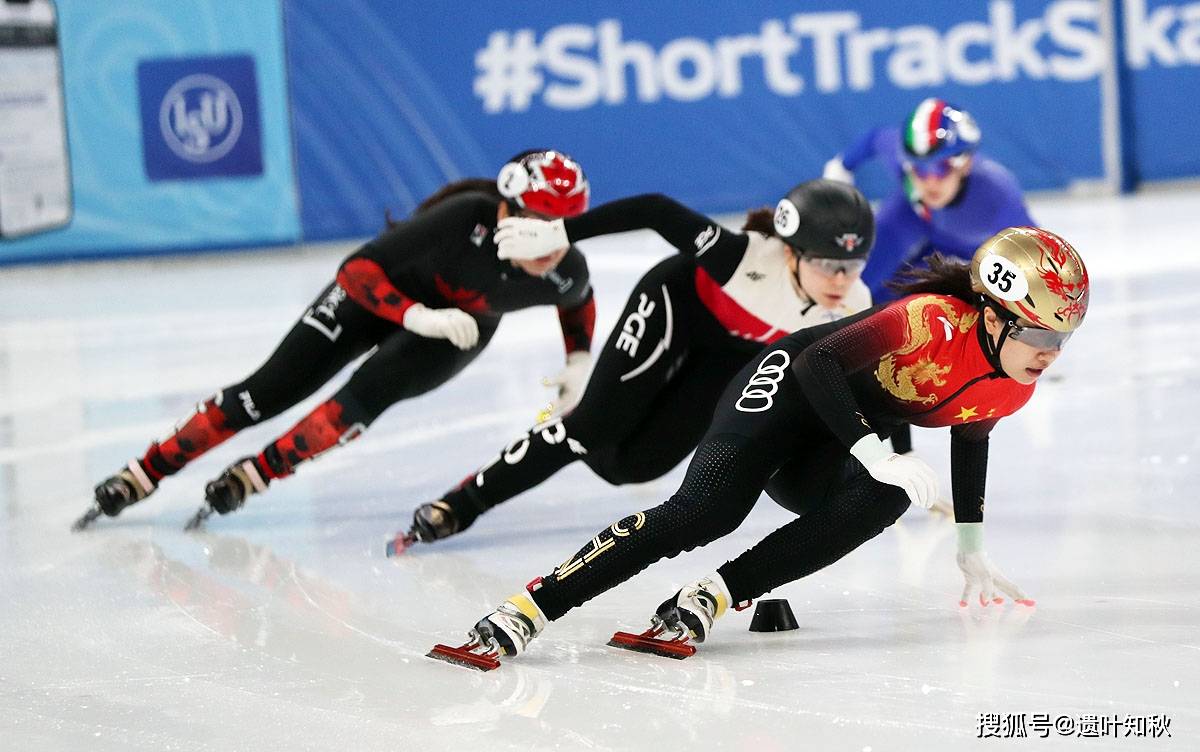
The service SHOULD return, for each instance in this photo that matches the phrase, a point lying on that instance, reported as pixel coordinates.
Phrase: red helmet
(547, 182)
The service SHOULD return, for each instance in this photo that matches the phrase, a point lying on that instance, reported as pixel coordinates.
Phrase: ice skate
(229, 490)
(506, 631)
(126, 488)
(683, 619)
(432, 521)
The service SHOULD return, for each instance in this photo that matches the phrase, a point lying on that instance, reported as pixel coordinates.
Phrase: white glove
(570, 382)
(907, 472)
(835, 169)
(442, 323)
(943, 507)
(529, 238)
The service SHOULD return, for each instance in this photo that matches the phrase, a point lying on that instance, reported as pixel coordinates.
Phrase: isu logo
(200, 118)
(759, 395)
(848, 241)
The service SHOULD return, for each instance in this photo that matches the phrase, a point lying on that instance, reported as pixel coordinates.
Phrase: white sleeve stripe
(709, 244)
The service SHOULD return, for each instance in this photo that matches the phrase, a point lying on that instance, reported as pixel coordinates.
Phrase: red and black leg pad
(471, 655)
(650, 642)
(322, 429)
(205, 429)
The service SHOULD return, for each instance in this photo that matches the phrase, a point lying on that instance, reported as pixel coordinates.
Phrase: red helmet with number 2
(1035, 275)
(547, 182)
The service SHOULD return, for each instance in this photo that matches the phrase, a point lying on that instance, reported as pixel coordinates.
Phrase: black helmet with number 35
(826, 219)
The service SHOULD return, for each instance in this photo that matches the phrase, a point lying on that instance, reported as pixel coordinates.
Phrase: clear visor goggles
(829, 267)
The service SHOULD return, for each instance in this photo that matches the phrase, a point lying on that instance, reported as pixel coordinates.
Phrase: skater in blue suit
(949, 198)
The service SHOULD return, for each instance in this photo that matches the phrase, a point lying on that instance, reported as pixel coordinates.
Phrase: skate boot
(506, 631)
(431, 521)
(229, 490)
(126, 488)
(682, 619)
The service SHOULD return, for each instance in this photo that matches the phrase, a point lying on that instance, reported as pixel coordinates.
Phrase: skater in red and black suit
(689, 325)
(427, 295)
(963, 349)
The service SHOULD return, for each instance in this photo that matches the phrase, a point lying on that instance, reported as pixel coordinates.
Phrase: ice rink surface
(284, 627)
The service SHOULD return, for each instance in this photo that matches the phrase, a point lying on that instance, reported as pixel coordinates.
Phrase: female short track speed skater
(963, 349)
(949, 198)
(427, 295)
(689, 325)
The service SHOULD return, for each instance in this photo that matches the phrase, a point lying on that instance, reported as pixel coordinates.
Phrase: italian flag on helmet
(937, 130)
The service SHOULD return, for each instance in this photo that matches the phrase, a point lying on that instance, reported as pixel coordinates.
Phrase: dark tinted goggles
(1042, 339)
(936, 168)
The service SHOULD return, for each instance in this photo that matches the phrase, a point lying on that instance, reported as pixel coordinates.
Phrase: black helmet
(826, 219)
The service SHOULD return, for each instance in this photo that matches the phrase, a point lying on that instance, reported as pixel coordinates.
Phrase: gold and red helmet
(1034, 275)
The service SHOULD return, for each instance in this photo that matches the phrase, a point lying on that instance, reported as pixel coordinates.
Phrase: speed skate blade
(462, 656)
(197, 520)
(400, 544)
(678, 648)
(84, 522)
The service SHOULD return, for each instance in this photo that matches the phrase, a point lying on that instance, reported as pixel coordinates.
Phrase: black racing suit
(681, 336)
(785, 423)
(442, 257)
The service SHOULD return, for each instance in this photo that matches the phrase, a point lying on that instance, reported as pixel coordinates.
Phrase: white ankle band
(256, 480)
(135, 469)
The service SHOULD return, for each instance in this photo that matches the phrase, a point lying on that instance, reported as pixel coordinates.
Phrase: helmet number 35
(1001, 278)
(1004, 279)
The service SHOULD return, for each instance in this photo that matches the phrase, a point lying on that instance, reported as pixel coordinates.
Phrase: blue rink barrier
(194, 126)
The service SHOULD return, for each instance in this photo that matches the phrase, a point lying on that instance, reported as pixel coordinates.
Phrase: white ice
(285, 628)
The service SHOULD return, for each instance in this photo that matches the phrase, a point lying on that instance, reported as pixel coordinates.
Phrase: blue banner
(1161, 45)
(177, 125)
(145, 126)
(723, 105)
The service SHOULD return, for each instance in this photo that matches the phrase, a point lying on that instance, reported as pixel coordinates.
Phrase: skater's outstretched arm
(868, 146)
(716, 248)
(674, 223)
(405, 251)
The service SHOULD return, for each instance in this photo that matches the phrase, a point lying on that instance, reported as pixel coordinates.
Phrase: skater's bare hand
(981, 576)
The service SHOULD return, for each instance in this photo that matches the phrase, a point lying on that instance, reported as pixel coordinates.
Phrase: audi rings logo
(759, 395)
(200, 118)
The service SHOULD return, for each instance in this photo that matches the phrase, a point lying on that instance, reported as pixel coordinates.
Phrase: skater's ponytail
(477, 185)
(945, 276)
(760, 220)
